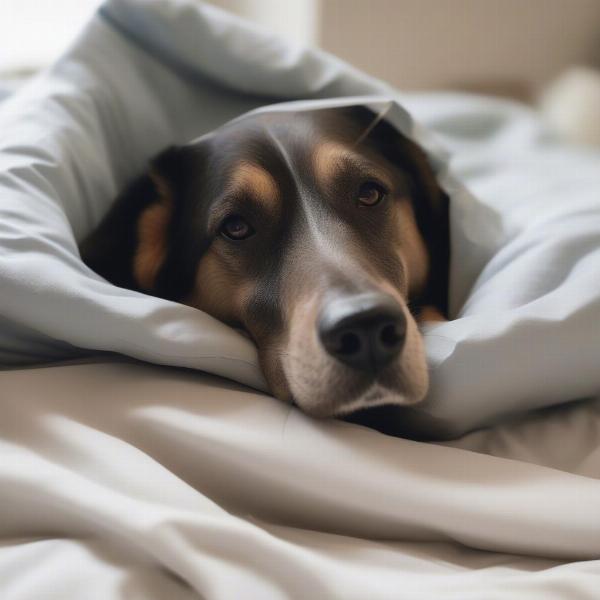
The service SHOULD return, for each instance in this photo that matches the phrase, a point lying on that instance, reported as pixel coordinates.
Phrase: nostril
(389, 336)
(349, 344)
(365, 332)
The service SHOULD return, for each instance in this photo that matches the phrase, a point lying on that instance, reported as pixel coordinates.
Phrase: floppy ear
(132, 244)
(430, 204)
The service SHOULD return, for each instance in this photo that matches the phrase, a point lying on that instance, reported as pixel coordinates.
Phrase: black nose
(365, 331)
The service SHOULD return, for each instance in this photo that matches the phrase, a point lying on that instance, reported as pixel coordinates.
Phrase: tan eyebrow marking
(326, 156)
(256, 181)
(331, 154)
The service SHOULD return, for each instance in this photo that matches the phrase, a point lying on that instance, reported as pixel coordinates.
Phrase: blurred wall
(503, 46)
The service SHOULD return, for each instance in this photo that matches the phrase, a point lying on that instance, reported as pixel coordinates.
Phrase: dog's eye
(371, 193)
(235, 228)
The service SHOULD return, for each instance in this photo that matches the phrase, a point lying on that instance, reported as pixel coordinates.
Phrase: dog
(321, 234)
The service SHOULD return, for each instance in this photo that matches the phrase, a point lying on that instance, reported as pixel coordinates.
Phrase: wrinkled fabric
(122, 480)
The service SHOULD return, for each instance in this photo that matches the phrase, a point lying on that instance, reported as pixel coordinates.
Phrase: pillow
(143, 76)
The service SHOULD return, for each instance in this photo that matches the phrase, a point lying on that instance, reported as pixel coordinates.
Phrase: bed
(141, 454)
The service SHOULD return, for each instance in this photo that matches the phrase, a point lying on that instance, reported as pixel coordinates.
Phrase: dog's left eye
(371, 193)
(235, 228)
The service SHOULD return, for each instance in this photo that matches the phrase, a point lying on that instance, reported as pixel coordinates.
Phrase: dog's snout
(365, 331)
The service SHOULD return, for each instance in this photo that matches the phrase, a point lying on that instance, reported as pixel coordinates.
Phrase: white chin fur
(376, 395)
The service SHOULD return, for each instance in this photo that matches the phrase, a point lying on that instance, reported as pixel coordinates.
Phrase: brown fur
(255, 181)
(218, 290)
(152, 236)
(330, 154)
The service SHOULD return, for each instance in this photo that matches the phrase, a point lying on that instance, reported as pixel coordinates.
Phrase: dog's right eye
(371, 193)
(235, 228)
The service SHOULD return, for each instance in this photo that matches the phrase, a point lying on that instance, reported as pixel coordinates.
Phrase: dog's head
(316, 239)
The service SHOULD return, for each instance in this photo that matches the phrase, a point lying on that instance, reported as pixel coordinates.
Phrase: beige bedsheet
(129, 481)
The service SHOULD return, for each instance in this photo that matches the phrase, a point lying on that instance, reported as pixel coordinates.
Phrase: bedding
(124, 480)
(157, 482)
